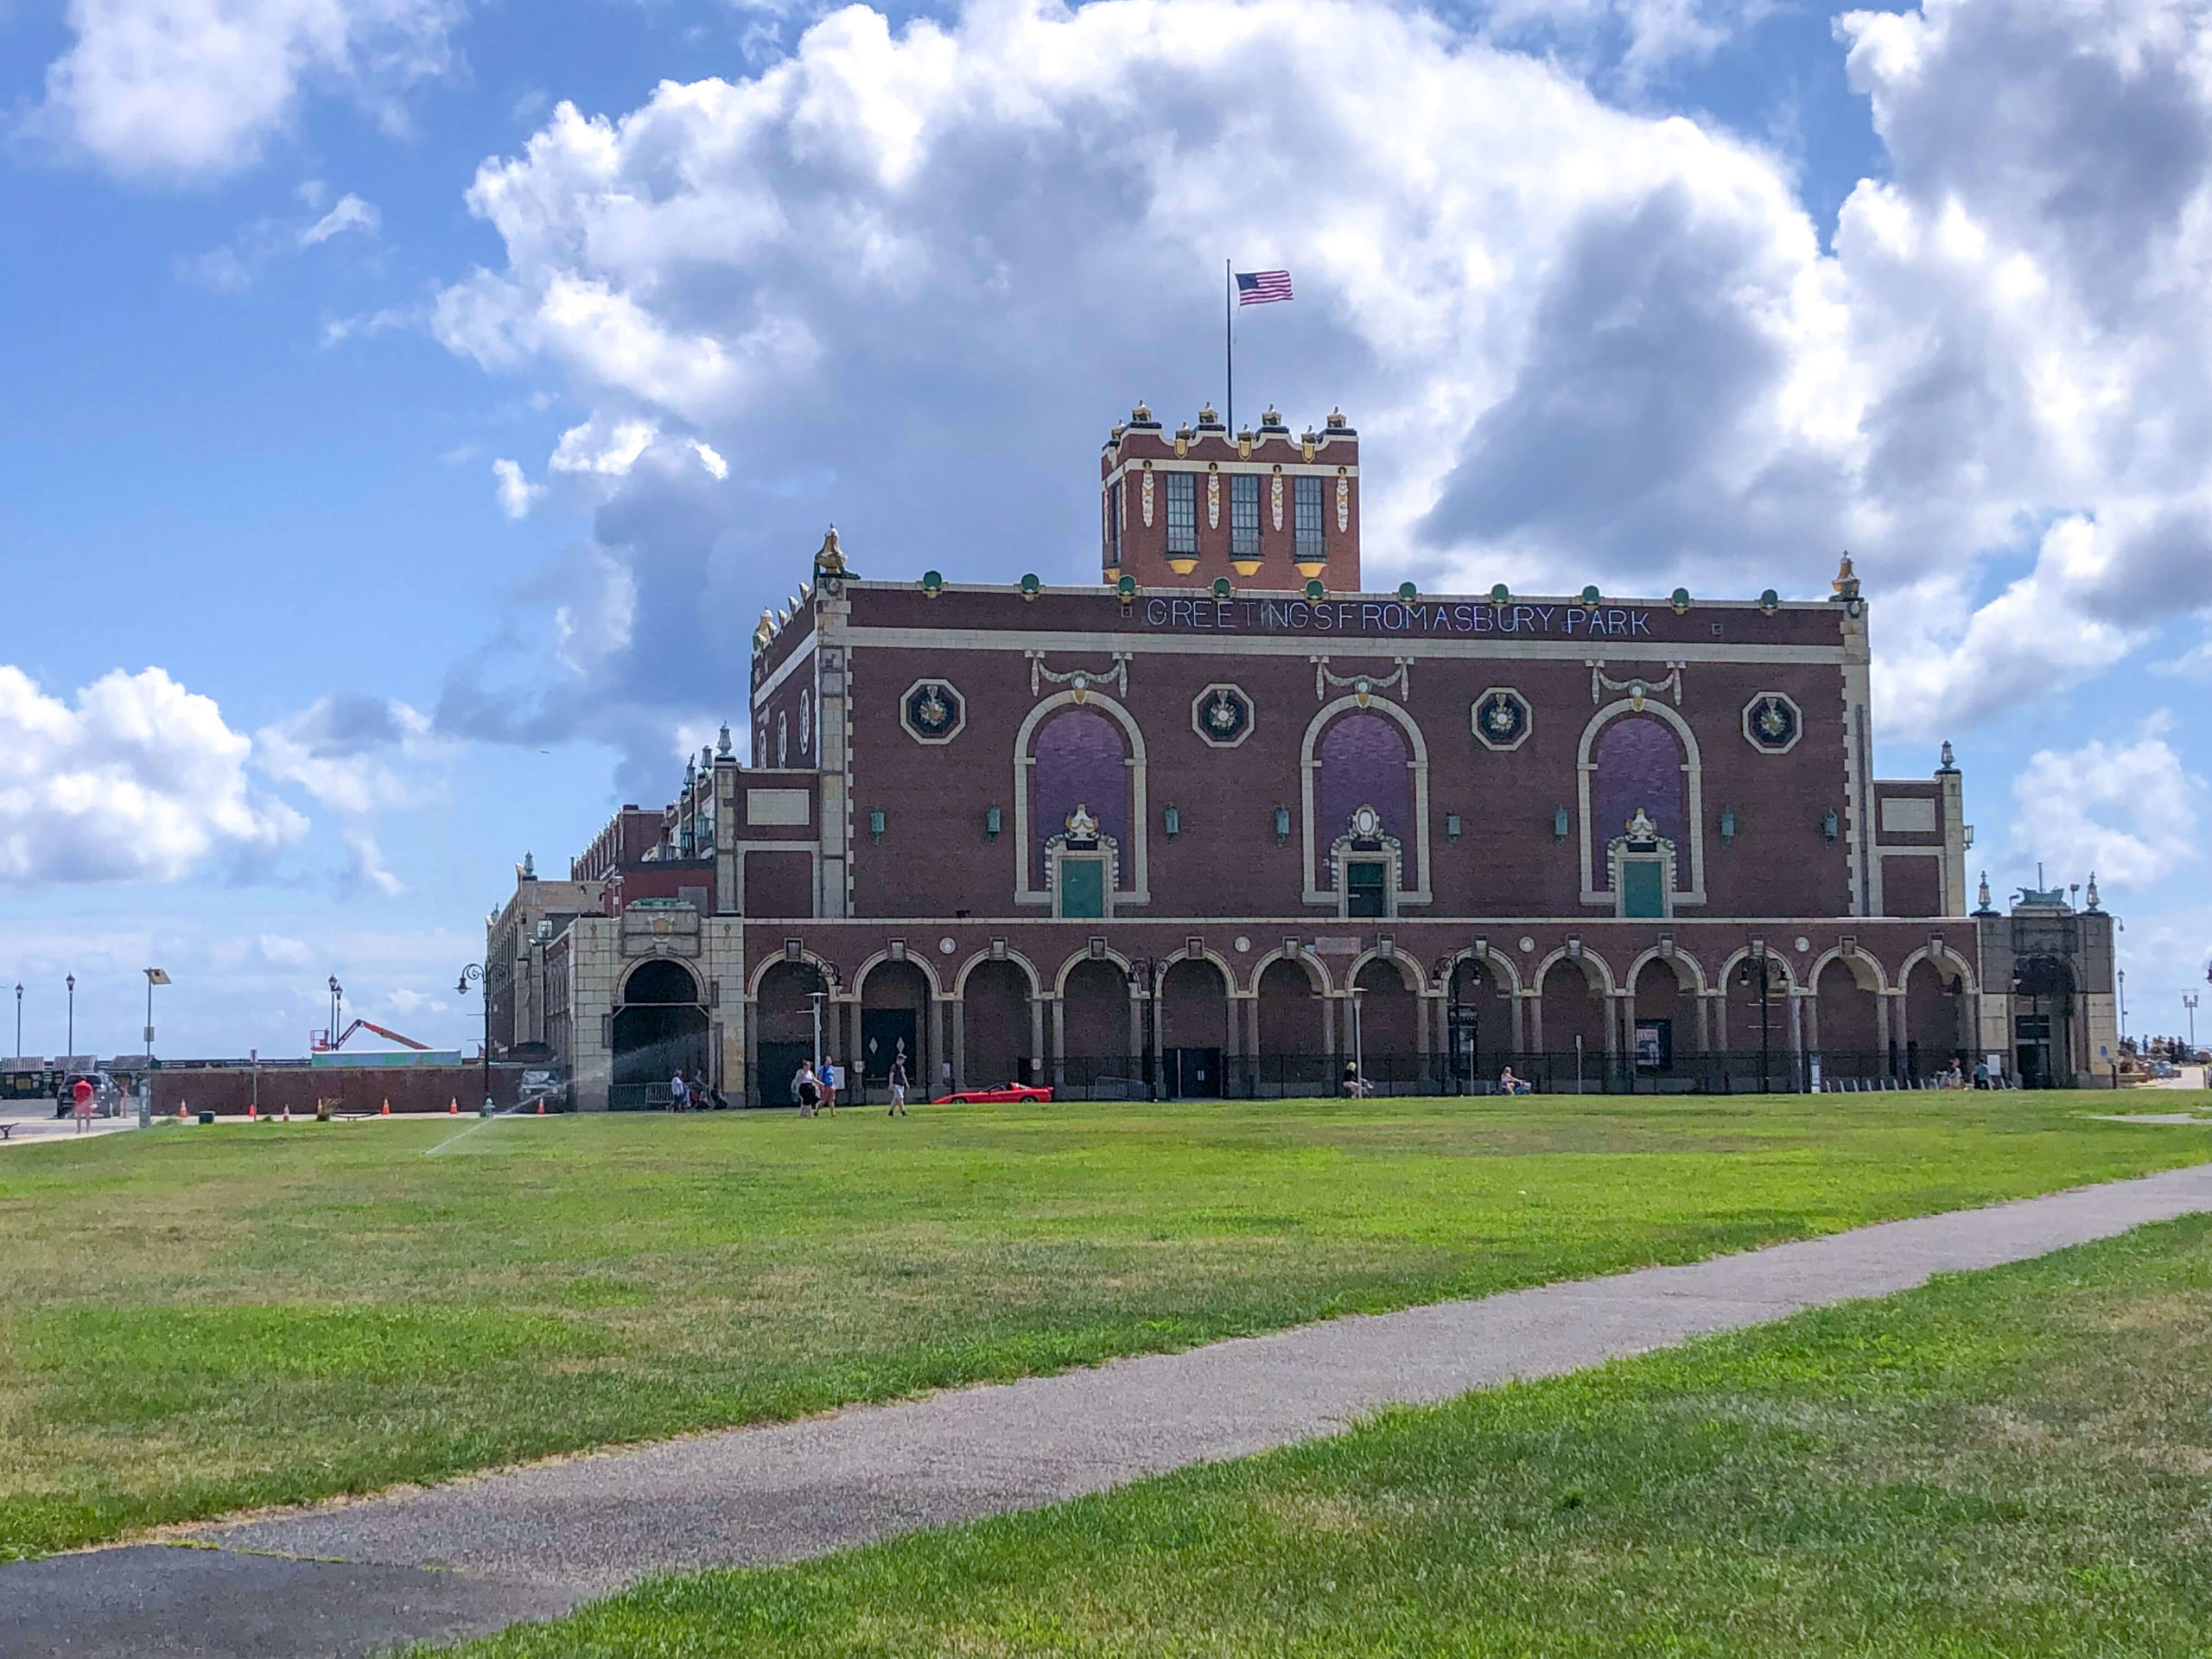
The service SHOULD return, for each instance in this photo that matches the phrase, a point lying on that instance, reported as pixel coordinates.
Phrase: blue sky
(413, 404)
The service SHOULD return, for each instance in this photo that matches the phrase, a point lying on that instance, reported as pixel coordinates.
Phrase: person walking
(80, 1093)
(809, 1089)
(678, 1092)
(1982, 1072)
(830, 1080)
(897, 1087)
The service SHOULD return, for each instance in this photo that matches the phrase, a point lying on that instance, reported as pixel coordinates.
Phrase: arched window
(1081, 811)
(1364, 840)
(1642, 848)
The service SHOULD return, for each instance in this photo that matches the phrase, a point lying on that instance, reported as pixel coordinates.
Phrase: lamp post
(70, 981)
(154, 976)
(1755, 967)
(19, 1019)
(1359, 1051)
(2188, 1001)
(1144, 978)
(475, 970)
(2123, 1007)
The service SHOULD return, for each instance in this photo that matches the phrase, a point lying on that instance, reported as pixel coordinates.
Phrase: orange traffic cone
(387, 1110)
(541, 1107)
(249, 1112)
(287, 1113)
(180, 1114)
(452, 1106)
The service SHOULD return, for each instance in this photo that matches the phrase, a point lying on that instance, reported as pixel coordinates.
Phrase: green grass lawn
(2011, 1464)
(195, 1320)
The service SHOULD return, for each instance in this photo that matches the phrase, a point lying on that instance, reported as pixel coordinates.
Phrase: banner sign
(1389, 617)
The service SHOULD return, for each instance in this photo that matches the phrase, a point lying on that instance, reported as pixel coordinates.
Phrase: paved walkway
(478, 1554)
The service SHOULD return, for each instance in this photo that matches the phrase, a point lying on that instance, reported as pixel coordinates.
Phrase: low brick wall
(227, 1090)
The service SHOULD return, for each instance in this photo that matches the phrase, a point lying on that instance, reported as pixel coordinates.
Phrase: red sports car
(1005, 1093)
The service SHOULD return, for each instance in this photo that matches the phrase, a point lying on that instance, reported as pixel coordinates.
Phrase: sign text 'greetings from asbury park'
(1392, 616)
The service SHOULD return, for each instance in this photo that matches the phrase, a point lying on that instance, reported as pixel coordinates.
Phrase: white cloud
(355, 754)
(141, 780)
(350, 213)
(517, 495)
(913, 266)
(608, 447)
(367, 867)
(193, 88)
(2127, 812)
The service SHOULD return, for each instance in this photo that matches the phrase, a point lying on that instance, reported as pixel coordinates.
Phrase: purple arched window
(1637, 762)
(1364, 762)
(1082, 759)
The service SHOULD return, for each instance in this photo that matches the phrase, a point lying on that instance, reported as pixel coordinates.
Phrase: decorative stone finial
(2093, 890)
(1270, 417)
(1337, 422)
(830, 561)
(1209, 416)
(1141, 415)
(721, 743)
(1949, 763)
(1981, 898)
(528, 868)
(1846, 583)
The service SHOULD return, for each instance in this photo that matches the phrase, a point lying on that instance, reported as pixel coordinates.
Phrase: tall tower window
(1308, 499)
(1114, 524)
(1244, 516)
(1183, 512)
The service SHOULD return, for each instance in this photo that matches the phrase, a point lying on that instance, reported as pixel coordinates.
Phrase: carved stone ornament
(1144, 493)
(1641, 832)
(1213, 496)
(1501, 718)
(1772, 724)
(1081, 826)
(1274, 488)
(1343, 502)
(1078, 680)
(932, 711)
(1222, 715)
(1366, 822)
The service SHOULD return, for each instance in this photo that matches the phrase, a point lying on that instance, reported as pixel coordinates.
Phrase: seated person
(1509, 1084)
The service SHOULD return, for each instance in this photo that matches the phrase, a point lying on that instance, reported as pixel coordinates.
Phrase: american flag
(1261, 287)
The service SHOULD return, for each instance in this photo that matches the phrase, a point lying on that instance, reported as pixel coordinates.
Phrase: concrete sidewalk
(477, 1554)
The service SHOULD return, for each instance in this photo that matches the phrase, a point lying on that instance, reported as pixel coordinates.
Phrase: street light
(337, 1003)
(1144, 977)
(475, 970)
(154, 976)
(70, 981)
(19, 1019)
(1756, 962)
(2188, 1001)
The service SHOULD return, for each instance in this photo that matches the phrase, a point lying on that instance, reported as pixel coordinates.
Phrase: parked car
(1005, 1093)
(108, 1098)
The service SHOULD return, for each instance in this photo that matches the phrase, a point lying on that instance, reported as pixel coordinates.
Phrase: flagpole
(1228, 336)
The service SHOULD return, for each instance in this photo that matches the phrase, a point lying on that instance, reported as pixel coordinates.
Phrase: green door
(1641, 892)
(1082, 886)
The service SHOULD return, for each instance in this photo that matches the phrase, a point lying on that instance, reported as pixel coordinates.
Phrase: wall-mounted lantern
(1171, 821)
(1829, 824)
(1727, 824)
(1558, 825)
(1452, 826)
(876, 824)
(992, 824)
(1282, 825)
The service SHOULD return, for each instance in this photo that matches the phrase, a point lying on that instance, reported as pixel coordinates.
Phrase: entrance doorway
(887, 1035)
(659, 1029)
(1192, 1073)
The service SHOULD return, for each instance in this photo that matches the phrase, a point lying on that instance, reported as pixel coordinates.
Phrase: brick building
(1226, 824)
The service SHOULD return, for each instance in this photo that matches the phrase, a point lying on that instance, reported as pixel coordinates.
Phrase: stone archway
(996, 1026)
(1572, 1003)
(1389, 1031)
(660, 1028)
(1094, 1059)
(1664, 1021)
(1293, 1056)
(1846, 1013)
(1193, 1029)
(1932, 1008)
(895, 1006)
(783, 1027)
